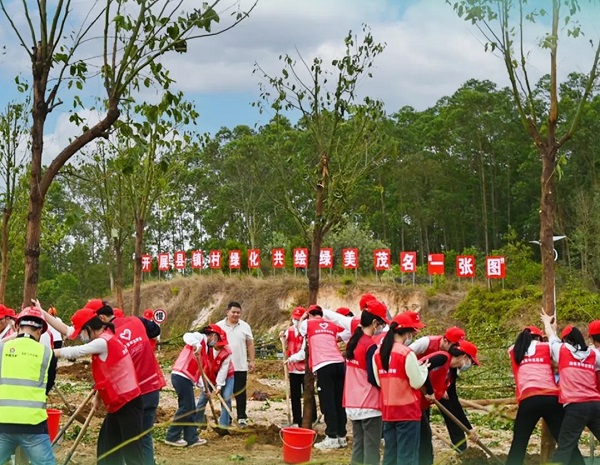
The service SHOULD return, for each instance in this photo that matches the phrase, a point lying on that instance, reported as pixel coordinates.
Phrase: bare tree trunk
(6, 214)
(137, 273)
(119, 283)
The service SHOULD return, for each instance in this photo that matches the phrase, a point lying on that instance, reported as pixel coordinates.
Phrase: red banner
(408, 262)
(163, 262)
(278, 258)
(381, 259)
(465, 266)
(146, 263)
(495, 267)
(235, 259)
(253, 259)
(326, 258)
(214, 259)
(179, 260)
(350, 259)
(197, 259)
(300, 258)
(435, 263)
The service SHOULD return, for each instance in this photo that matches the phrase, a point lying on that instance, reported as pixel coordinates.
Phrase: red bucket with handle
(297, 444)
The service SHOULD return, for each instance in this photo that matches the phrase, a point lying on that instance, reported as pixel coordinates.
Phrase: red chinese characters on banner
(146, 263)
(408, 262)
(235, 259)
(326, 258)
(350, 259)
(465, 266)
(381, 259)
(253, 259)
(435, 263)
(163, 262)
(300, 258)
(179, 260)
(197, 259)
(495, 268)
(278, 258)
(214, 259)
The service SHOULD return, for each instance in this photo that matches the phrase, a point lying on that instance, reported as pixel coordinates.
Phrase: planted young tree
(344, 144)
(119, 42)
(14, 130)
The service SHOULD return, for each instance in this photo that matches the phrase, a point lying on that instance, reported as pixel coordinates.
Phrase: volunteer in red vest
(295, 359)
(348, 322)
(577, 365)
(217, 363)
(328, 364)
(400, 377)
(536, 393)
(136, 333)
(362, 398)
(185, 375)
(149, 315)
(429, 344)
(436, 385)
(594, 334)
(116, 385)
(344, 334)
(6, 322)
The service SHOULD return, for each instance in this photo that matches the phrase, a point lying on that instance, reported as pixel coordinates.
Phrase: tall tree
(133, 35)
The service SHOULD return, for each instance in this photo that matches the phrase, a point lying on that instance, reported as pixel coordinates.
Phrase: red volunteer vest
(115, 377)
(438, 377)
(434, 346)
(294, 344)
(358, 392)
(399, 401)
(132, 333)
(187, 364)
(323, 343)
(354, 324)
(577, 378)
(212, 364)
(534, 376)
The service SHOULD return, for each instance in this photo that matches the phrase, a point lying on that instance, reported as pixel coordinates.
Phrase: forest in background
(460, 177)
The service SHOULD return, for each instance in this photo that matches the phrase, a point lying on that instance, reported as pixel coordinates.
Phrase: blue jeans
(185, 418)
(37, 447)
(226, 393)
(401, 442)
(150, 405)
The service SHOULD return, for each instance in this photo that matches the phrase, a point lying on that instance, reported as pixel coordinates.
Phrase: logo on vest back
(126, 335)
(324, 325)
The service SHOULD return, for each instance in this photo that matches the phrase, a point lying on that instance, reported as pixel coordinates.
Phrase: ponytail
(575, 338)
(353, 342)
(96, 324)
(385, 351)
(522, 345)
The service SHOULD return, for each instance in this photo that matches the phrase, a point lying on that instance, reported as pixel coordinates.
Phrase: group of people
(384, 383)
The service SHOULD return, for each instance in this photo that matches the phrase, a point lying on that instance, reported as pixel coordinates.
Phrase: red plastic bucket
(297, 444)
(53, 422)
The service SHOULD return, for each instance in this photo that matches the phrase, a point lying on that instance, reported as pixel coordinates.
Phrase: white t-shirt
(237, 336)
(56, 335)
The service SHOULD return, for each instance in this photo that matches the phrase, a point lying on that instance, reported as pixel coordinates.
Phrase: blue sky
(430, 52)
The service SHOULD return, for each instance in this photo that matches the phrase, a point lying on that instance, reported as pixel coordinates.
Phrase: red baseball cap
(409, 319)
(470, 349)
(94, 304)
(362, 303)
(378, 309)
(454, 334)
(148, 314)
(218, 331)
(3, 311)
(343, 311)
(594, 328)
(79, 320)
(534, 330)
(118, 313)
(565, 332)
(10, 312)
(298, 312)
(314, 307)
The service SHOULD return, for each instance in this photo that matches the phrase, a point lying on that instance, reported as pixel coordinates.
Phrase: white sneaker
(242, 422)
(343, 442)
(199, 442)
(178, 443)
(328, 444)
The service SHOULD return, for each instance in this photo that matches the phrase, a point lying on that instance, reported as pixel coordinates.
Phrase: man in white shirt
(241, 342)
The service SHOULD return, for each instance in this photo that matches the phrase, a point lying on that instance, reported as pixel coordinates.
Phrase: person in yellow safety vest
(27, 373)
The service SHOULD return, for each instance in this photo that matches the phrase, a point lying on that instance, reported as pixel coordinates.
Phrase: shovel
(80, 418)
(75, 416)
(80, 435)
(220, 430)
(287, 383)
(226, 407)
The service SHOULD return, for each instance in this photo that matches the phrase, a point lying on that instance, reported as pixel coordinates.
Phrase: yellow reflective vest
(24, 366)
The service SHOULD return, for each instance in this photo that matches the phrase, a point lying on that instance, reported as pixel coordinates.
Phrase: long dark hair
(96, 323)
(388, 343)
(366, 319)
(522, 344)
(576, 339)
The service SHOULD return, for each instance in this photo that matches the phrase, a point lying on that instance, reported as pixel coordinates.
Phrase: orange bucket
(53, 422)
(297, 444)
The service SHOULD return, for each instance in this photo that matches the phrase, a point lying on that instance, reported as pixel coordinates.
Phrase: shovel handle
(219, 396)
(80, 435)
(205, 379)
(74, 416)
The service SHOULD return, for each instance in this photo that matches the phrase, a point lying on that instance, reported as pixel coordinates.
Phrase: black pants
(117, 428)
(577, 417)
(296, 390)
(529, 413)
(240, 379)
(425, 445)
(330, 383)
(457, 436)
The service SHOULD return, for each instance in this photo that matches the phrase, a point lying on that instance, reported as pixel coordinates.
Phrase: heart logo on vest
(126, 335)
(324, 325)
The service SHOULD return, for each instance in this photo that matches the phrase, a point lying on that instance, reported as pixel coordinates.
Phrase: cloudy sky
(429, 53)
